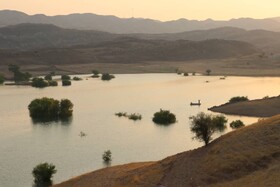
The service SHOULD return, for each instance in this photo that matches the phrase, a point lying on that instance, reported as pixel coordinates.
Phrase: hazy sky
(155, 9)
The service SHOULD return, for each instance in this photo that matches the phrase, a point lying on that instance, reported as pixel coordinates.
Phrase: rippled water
(23, 144)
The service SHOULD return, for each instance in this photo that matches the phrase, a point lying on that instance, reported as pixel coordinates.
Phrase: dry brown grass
(249, 156)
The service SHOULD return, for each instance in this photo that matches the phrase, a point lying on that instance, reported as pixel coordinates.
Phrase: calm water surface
(24, 144)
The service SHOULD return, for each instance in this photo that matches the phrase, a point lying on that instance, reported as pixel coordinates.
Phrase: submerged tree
(66, 108)
(164, 117)
(48, 109)
(95, 73)
(107, 156)
(43, 174)
(107, 77)
(205, 125)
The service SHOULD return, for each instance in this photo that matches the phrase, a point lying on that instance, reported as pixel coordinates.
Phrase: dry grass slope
(249, 156)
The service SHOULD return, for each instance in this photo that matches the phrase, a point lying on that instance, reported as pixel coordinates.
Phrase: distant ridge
(114, 24)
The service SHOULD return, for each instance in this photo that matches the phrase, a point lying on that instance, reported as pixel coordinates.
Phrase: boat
(196, 104)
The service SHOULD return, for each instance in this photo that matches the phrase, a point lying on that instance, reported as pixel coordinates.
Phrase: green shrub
(66, 108)
(135, 117)
(77, 78)
(186, 74)
(48, 77)
(107, 156)
(121, 114)
(236, 124)
(107, 77)
(53, 83)
(164, 117)
(39, 83)
(66, 83)
(238, 99)
(65, 77)
(43, 173)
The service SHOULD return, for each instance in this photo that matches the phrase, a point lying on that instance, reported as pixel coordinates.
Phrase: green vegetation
(238, 99)
(48, 109)
(77, 78)
(205, 125)
(66, 108)
(107, 77)
(186, 74)
(48, 77)
(121, 114)
(66, 83)
(107, 156)
(53, 83)
(208, 71)
(164, 117)
(95, 74)
(39, 83)
(2, 79)
(65, 77)
(236, 124)
(18, 75)
(135, 117)
(43, 174)
(219, 122)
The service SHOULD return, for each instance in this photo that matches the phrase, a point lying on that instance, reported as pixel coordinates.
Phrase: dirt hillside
(249, 156)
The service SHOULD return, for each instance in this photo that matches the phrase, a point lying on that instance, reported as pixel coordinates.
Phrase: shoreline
(262, 108)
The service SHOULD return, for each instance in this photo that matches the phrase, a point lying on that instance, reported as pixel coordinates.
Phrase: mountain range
(114, 24)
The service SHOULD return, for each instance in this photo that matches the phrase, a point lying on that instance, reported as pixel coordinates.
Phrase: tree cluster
(43, 174)
(18, 75)
(164, 117)
(48, 109)
(238, 99)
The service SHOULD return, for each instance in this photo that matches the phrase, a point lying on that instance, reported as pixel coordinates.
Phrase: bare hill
(258, 108)
(114, 24)
(249, 156)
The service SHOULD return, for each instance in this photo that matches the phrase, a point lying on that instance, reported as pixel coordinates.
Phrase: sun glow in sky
(155, 9)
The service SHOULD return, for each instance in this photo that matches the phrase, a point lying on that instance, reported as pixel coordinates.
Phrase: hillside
(36, 36)
(39, 36)
(132, 25)
(249, 156)
(258, 108)
(131, 50)
(265, 40)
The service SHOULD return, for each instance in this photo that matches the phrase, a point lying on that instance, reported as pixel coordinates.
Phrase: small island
(266, 107)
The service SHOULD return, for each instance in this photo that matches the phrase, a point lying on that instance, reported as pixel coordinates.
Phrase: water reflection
(63, 121)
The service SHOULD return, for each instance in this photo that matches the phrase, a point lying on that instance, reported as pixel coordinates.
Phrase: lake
(25, 144)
